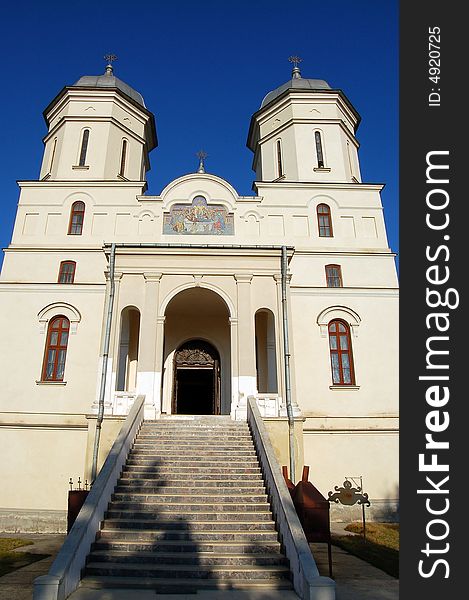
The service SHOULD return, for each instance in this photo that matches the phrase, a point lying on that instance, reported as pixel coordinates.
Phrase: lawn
(381, 548)
(10, 560)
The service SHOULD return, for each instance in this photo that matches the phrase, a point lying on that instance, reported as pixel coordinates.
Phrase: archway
(197, 354)
(197, 377)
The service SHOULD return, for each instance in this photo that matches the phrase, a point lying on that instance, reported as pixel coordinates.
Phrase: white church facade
(197, 298)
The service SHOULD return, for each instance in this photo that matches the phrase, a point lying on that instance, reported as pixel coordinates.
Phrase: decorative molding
(243, 277)
(59, 308)
(152, 277)
(338, 312)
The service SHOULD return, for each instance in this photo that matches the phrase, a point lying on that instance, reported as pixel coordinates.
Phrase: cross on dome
(109, 58)
(201, 155)
(295, 60)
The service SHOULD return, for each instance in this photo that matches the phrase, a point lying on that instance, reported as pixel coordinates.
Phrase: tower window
(52, 155)
(324, 220)
(56, 349)
(77, 215)
(84, 147)
(341, 353)
(279, 159)
(67, 271)
(123, 156)
(319, 152)
(333, 276)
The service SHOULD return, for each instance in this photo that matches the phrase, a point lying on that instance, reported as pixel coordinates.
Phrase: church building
(197, 298)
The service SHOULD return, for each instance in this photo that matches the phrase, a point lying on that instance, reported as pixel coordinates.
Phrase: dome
(296, 83)
(108, 80)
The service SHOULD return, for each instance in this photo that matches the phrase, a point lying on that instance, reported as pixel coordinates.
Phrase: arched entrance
(197, 354)
(196, 388)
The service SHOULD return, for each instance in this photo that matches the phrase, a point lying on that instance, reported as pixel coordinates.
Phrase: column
(246, 338)
(146, 372)
(234, 366)
(158, 389)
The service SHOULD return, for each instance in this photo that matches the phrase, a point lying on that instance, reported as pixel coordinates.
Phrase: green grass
(381, 548)
(10, 560)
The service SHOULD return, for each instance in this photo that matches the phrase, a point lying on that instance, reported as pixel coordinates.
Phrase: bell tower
(99, 129)
(304, 132)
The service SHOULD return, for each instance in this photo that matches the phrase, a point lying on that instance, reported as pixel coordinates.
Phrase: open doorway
(196, 386)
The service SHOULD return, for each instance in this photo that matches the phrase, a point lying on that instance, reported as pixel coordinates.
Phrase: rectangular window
(333, 276)
(67, 272)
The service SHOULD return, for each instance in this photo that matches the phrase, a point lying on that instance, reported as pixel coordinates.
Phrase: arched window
(123, 156)
(67, 271)
(84, 147)
(279, 159)
(319, 152)
(333, 276)
(56, 349)
(77, 214)
(341, 353)
(324, 220)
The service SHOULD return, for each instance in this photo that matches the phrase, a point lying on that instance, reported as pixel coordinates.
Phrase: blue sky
(203, 69)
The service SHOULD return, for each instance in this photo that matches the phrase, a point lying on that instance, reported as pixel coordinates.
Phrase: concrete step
(182, 546)
(187, 441)
(188, 462)
(188, 498)
(194, 507)
(192, 428)
(212, 469)
(206, 559)
(151, 535)
(199, 449)
(202, 451)
(137, 479)
(255, 517)
(183, 586)
(192, 526)
(180, 488)
(195, 478)
(187, 571)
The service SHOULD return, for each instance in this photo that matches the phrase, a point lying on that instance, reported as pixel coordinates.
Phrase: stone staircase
(189, 512)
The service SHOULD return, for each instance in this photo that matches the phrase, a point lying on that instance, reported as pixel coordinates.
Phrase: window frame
(319, 150)
(57, 347)
(322, 229)
(63, 274)
(85, 139)
(279, 159)
(122, 165)
(74, 211)
(330, 278)
(52, 156)
(339, 351)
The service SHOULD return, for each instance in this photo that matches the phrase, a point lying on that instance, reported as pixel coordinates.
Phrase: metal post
(286, 349)
(363, 510)
(102, 390)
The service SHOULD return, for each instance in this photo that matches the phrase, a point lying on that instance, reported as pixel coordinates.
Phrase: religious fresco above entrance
(198, 218)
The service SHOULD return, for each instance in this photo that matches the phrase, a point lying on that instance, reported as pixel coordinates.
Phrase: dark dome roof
(109, 81)
(296, 83)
